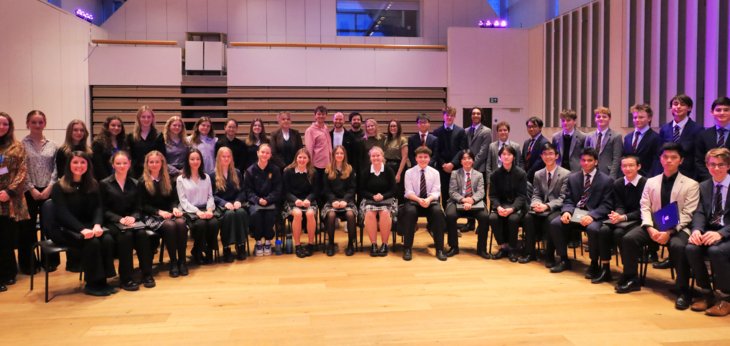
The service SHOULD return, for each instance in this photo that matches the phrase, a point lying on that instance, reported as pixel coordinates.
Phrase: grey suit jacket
(685, 191)
(479, 145)
(554, 194)
(493, 158)
(576, 147)
(609, 158)
(457, 184)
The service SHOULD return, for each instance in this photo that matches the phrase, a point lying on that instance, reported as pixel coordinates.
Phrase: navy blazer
(448, 150)
(414, 141)
(535, 163)
(647, 151)
(687, 141)
(703, 213)
(706, 140)
(600, 200)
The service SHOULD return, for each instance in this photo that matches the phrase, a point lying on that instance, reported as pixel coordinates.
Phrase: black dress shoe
(665, 264)
(513, 257)
(309, 250)
(228, 255)
(208, 257)
(440, 255)
(407, 255)
(330, 250)
(197, 257)
(130, 286)
(9, 282)
(683, 301)
(174, 270)
(240, 252)
(604, 275)
(470, 225)
(526, 259)
(299, 251)
(592, 271)
(383, 250)
(561, 267)
(373, 250)
(183, 268)
(500, 254)
(452, 251)
(109, 288)
(484, 254)
(148, 281)
(3, 288)
(628, 285)
(349, 250)
(92, 291)
(550, 262)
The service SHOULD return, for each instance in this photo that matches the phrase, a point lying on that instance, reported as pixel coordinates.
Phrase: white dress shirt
(413, 182)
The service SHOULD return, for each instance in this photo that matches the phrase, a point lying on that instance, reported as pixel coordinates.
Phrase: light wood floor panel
(360, 301)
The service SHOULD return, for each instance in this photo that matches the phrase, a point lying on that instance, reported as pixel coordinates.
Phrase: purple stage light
(84, 15)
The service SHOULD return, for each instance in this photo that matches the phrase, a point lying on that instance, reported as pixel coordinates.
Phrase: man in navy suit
(532, 149)
(643, 142)
(591, 191)
(683, 130)
(713, 137)
(422, 138)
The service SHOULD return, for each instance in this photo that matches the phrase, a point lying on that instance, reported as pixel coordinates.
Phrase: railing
(338, 45)
(137, 42)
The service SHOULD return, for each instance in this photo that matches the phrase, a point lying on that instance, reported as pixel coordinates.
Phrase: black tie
(600, 139)
(471, 132)
(424, 191)
(550, 179)
(721, 137)
(635, 144)
(717, 208)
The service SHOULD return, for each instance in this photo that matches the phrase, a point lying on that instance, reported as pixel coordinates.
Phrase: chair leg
(46, 281)
(491, 237)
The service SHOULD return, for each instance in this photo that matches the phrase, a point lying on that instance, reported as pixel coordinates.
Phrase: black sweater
(139, 148)
(151, 204)
(627, 198)
(340, 189)
(237, 147)
(264, 184)
(298, 186)
(371, 185)
(118, 203)
(77, 210)
(508, 189)
(230, 194)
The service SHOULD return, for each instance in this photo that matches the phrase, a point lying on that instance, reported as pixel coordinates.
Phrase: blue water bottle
(277, 247)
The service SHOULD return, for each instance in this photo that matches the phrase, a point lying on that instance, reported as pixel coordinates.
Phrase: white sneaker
(259, 250)
(267, 249)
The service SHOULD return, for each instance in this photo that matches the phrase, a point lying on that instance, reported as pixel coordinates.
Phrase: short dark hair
(632, 157)
(720, 101)
(550, 146)
(535, 120)
(568, 114)
(320, 109)
(590, 152)
(508, 148)
(466, 152)
(423, 150)
(501, 124)
(671, 146)
(423, 117)
(354, 114)
(683, 99)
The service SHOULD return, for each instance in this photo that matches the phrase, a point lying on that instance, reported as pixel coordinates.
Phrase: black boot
(350, 249)
(592, 270)
(604, 275)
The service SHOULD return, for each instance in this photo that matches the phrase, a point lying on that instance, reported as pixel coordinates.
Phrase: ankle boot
(604, 275)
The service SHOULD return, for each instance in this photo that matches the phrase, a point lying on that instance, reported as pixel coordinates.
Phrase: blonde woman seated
(339, 192)
(377, 188)
(301, 196)
(229, 198)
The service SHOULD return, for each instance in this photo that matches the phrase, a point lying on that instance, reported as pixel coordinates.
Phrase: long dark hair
(88, 183)
(9, 137)
(105, 137)
(68, 145)
(187, 171)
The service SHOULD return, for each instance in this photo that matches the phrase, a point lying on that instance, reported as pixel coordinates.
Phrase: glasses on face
(717, 165)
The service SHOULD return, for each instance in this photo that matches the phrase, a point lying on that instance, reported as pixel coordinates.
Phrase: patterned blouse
(41, 162)
(13, 175)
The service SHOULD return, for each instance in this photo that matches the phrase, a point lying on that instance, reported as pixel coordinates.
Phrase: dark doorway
(486, 117)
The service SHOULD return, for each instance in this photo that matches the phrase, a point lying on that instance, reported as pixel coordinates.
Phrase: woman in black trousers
(195, 193)
(160, 211)
(229, 198)
(263, 191)
(339, 191)
(508, 196)
(120, 196)
(77, 202)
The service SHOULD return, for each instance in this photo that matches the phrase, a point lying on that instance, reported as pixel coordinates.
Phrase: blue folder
(667, 218)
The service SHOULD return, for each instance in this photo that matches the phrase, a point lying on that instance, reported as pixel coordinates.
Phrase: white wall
(276, 20)
(42, 63)
(335, 67)
(130, 65)
(486, 63)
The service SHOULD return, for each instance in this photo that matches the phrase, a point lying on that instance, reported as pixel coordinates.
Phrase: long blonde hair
(331, 169)
(220, 179)
(310, 167)
(166, 131)
(149, 183)
(137, 132)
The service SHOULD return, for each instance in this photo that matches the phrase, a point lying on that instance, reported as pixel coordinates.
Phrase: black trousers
(482, 216)
(719, 255)
(435, 216)
(637, 238)
(27, 234)
(175, 235)
(97, 254)
(559, 232)
(345, 215)
(262, 222)
(505, 228)
(8, 266)
(616, 233)
(127, 242)
(205, 234)
(445, 180)
(234, 224)
(537, 227)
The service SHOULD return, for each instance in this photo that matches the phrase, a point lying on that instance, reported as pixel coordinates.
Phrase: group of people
(113, 196)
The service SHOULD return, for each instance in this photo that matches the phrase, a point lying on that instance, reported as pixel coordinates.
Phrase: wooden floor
(359, 300)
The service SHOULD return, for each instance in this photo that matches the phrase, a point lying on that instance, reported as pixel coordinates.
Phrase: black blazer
(508, 189)
(535, 163)
(450, 146)
(687, 141)
(340, 189)
(230, 194)
(138, 149)
(118, 203)
(703, 213)
(282, 152)
(647, 151)
(706, 140)
(627, 204)
(600, 201)
(414, 141)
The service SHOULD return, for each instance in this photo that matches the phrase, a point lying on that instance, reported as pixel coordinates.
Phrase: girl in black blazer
(263, 191)
(301, 199)
(339, 191)
(229, 198)
(160, 212)
(377, 188)
(121, 197)
(78, 212)
(110, 140)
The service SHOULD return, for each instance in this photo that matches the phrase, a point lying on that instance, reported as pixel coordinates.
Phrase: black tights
(175, 235)
(330, 225)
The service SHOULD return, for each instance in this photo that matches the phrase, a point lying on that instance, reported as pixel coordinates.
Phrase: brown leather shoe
(702, 304)
(719, 310)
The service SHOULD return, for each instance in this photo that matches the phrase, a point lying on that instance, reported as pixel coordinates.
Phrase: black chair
(46, 247)
(644, 266)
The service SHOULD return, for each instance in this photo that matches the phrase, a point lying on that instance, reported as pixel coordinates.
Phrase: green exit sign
(493, 100)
